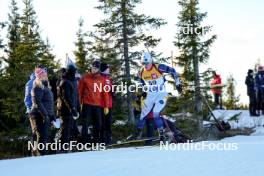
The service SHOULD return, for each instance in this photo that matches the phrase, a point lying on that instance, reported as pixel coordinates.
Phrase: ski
(133, 141)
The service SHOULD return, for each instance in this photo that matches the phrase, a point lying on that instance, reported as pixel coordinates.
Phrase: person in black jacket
(251, 91)
(259, 81)
(66, 103)
(42, 110)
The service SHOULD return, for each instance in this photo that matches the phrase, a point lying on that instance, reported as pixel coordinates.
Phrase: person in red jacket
(107, 118)
(91, 98)
(216, 88)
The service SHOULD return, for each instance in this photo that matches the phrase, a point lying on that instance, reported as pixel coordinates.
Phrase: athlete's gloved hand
(179, 88)
(106, 111)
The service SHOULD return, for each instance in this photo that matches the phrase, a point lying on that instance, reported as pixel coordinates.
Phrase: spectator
(216, 88)
(106, 132)
(260, 89)
(250, 82)
(28, 88)
(91, 100)
(66, 103)
(42, 109)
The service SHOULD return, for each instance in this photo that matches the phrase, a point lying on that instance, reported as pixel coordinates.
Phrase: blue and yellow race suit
(154, 83)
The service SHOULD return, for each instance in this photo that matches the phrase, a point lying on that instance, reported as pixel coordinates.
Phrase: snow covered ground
(247, 160)
(239, 118)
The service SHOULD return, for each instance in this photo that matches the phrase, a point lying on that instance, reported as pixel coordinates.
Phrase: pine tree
(11, 79)
(125, 26)
(81, 52)
(232, 100)
(2, 90)
(194, 47)
(2, 25)
(13, 29)
(13, 37)
(25, 50)
(31, 42)
(48, 59)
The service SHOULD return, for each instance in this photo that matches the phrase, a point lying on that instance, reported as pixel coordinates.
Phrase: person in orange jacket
(91, 98)
(216, 88)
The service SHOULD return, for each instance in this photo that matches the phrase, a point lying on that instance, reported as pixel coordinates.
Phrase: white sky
(238, 25)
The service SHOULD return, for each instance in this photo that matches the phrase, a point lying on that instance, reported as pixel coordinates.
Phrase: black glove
(179, 88)
(144, 95)
(74, 112)
(52, 118)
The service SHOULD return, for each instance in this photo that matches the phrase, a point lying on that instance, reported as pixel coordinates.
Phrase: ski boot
(136, 136)
(162, 137)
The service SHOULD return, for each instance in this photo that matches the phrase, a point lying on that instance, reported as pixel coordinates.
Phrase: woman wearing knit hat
(28, 88)
(42, 110)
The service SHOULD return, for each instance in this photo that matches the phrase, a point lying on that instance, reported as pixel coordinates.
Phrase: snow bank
(151, 161)
(239, 118)
(247, 160)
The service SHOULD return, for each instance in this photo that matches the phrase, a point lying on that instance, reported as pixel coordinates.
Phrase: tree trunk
(198, 98)
(127, 63)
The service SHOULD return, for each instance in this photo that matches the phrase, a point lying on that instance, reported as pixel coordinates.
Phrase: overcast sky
(238, 25)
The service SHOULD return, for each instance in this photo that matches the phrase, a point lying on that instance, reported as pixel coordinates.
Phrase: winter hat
(71, 69)
(96, 64)
(42, 66)
(260, 68)
(70, 72)
(250, 71)
(40, 72)
(103, 67)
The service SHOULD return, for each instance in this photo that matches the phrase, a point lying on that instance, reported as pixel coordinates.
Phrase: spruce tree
(2, 91)
(11, 80)
(48, 58)
(13, 37)
(232, 100)
(193, 43)
(2, 25)
(13, 30)
(127, 29)
(81, 52)
(25, 50)
(31, 43)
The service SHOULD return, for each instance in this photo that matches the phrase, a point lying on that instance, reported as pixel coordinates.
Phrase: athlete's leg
(145, 110)
(160, 103)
